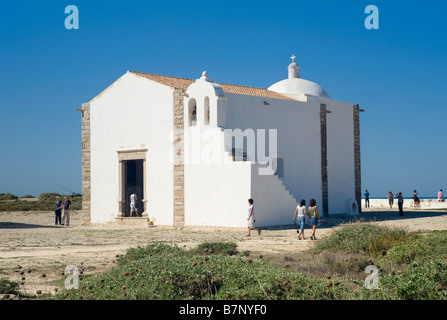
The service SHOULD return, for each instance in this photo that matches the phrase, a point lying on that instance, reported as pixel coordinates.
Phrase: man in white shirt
(133, 199)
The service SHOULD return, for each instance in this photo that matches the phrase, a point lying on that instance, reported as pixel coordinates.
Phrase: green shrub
(8, 196)
(420, 248)
(46, 202)
(169, 273)
(49, 196)
(223, 248)
(422, 281)
(157, 249)
(362, 237)
(8, 287)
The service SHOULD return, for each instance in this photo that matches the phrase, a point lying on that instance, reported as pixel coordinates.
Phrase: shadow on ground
(16, 225)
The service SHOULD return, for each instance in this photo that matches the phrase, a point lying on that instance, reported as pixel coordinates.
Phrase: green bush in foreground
(419, 281)
(218, 271)
(8, 287)
(169, 273)
(426, 247)
(363, 237)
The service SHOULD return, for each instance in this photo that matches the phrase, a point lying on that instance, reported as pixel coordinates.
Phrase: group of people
(400, 201)
(301, 215)
(65, 207)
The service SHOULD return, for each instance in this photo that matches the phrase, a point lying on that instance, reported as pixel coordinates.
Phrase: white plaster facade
(135, 115)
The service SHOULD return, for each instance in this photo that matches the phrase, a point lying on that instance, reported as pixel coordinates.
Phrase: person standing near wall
(400, 203)
(66, 215)
(416, 199)
(301, 212)
(58, 211)
(366, 199)
(251, 218)
(440, 196)
(390, 199)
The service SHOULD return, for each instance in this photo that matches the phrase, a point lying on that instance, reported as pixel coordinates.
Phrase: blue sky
(397, 73)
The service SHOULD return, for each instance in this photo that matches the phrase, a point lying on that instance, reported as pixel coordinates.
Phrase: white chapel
(194, 151)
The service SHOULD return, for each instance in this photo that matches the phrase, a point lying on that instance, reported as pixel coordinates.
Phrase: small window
(207, 111)
(192, 112)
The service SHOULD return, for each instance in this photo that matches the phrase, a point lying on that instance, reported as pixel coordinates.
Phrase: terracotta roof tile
(183, 83)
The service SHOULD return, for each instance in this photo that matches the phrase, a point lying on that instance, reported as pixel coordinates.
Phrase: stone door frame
(126, 155)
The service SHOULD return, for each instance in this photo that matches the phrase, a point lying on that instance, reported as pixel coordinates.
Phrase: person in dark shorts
(66, 215)
(313, 217)
(400, 203)
(366, 199)
(58, 211)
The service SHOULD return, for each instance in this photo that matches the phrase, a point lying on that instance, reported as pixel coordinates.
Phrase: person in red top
(440, 196)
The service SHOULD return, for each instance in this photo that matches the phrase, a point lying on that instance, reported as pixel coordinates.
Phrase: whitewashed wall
(298, 137)
(134, 113)
(217, 194)
(273, 203)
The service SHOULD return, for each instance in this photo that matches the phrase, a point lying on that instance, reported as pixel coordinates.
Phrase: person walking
(440, 196)
(66, 214)
(416, 199)
(251, 218)
(400, 203)
(313, 217)
(133, 207)
(366, 199)
(390, 199)
(301, 213)
(58, 211)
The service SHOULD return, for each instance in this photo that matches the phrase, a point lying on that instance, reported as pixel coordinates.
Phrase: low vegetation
(410, 266)
(8, 287)
(45, 202)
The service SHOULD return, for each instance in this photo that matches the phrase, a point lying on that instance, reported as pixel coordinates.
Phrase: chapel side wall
(133, 114)
(298, 137)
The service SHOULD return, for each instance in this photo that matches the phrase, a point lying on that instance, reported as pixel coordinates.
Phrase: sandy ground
(30, 240)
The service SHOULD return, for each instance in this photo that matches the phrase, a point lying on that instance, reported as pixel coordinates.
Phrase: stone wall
(86, 177)
(357, 163)
(408, 203)
(179, 168)
(324, 173)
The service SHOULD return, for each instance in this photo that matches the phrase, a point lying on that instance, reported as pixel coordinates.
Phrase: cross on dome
(293, 58)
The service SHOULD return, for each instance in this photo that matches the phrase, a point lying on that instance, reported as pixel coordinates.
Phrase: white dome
(297, 86)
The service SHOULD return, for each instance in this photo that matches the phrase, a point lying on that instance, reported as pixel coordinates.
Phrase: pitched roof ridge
(229, 84)
(161, 75)
(170, 81)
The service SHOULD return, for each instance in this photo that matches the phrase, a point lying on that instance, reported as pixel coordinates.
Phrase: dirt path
(30, 240)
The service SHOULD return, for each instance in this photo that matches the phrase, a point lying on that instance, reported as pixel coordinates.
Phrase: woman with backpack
(313, 217)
